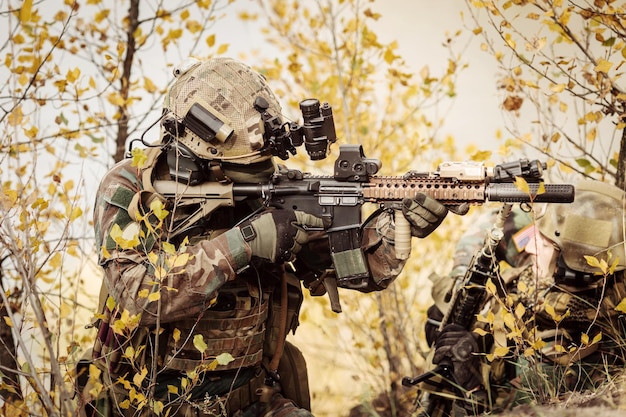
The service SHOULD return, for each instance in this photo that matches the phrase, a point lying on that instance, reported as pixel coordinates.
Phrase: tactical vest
(244, 322)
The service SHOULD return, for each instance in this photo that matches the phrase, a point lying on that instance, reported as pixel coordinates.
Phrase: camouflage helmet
(210, 110)
(590, 226)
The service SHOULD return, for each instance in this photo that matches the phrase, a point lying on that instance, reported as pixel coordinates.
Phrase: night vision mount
(317, 131)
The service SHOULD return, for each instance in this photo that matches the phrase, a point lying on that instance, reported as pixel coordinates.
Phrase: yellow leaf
(584, 339)
(181, 260)
(72, 75)
(193, 26)
(116, 99)
(501, 351)
(550, 310)
(68, 186)
(155, 296)
(479, 331)
(94, 372)
(121, 47)
(101, 15)
(143, 293)
(621, 307)
(11, 195)
(76, 213)
(539, 344)
(8, 321)
(210, 40)
(158, 208)
(65, 310)
(389, 56)
(597, 263)
(56, 261)
(222, 49)
(557, 88)
(176, 335)
(541, 188)
(32, 132)
(603, 66)
(148, 85)
(160, 272)
(139, 377)
(157, 407)
(522, 185)
(199, 343)
(26, 11)
(509, 320)
(498, 352)
(110, 303)
(129, 352)
(596, 338)
(172, 389)
(168, 247)
(153, 258)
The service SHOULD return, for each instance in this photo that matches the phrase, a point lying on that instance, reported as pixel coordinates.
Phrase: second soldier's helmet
(593, 225)
(210, 111)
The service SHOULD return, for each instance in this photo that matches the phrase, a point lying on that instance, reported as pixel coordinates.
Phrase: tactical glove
(277, 235)
(431, 328)
(457, 346)
(424, 214)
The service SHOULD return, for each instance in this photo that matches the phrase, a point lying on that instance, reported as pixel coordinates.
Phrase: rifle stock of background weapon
(338, 199)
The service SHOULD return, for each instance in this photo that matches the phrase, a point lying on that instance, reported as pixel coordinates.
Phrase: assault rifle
(338, 199)
(466, 301)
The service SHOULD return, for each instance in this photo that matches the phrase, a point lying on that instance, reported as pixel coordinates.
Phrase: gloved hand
(424, 214)
(277, 235)
(457, 345)
(431, 328)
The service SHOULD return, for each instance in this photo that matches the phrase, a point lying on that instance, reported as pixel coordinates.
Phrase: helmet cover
(225, 90)
(592, 225)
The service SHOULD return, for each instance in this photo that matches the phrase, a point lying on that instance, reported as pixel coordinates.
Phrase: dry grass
(608, 400)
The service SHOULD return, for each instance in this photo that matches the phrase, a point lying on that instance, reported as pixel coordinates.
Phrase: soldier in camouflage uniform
(555, 311)
(229, 287)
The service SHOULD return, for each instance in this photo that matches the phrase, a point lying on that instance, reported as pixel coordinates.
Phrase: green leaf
(224, 358)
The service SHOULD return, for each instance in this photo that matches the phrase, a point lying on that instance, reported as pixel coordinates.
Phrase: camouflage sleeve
(378, 244)
(510, 248)
(148, 280)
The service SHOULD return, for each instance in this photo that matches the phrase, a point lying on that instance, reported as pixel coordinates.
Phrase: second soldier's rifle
(338, 199)
(466, 301)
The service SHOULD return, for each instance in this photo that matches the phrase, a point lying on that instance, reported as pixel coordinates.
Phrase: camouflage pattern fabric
(588, 309)
(229, 87)
(217, 294)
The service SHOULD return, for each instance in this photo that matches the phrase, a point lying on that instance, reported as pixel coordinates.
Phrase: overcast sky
(420, 27)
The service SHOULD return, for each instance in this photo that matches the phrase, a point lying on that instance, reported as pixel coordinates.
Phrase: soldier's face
(544, 253)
